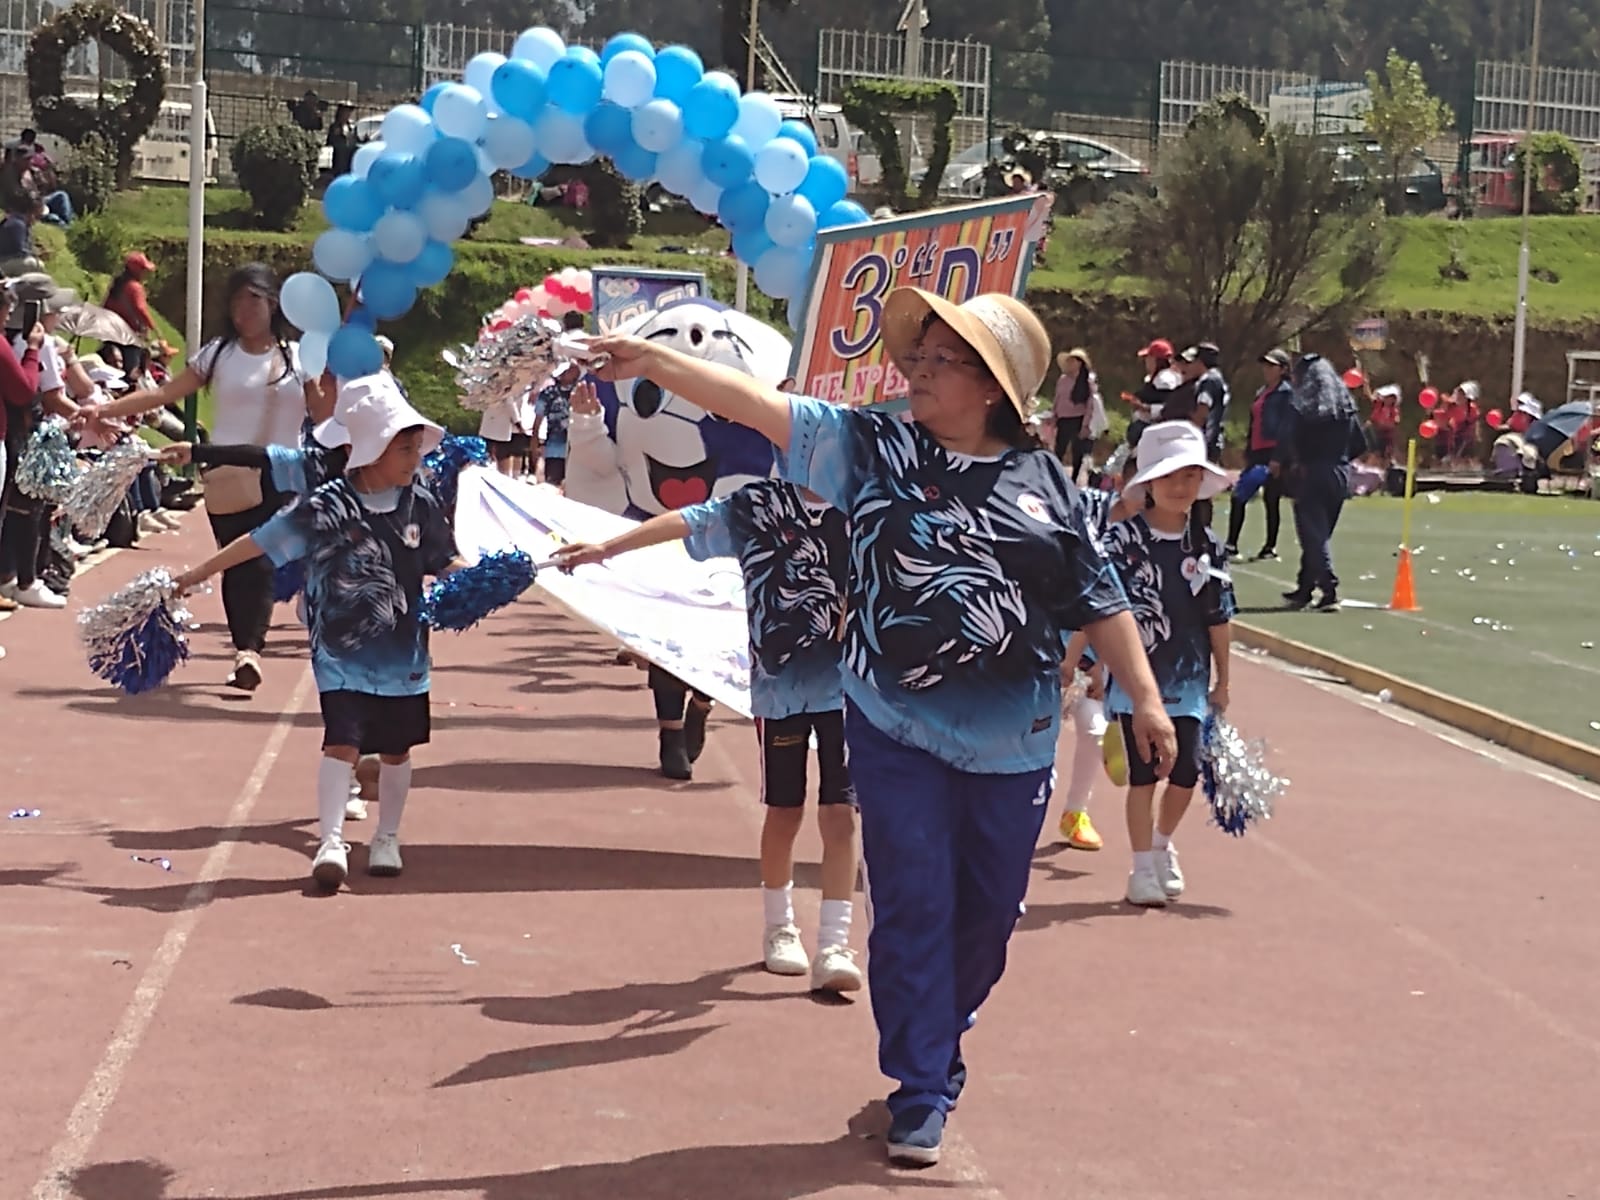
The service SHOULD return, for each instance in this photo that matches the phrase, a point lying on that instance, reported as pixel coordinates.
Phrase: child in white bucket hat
(368, 539)
(1171, 565)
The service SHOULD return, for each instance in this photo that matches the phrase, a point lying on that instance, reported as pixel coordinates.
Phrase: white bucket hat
(369, 413)
(1168, 447)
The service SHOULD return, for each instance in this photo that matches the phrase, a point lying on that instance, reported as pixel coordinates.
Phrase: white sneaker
(36, 595)
(383, 855)
(1169, 873)
(331, 864)
(170, 520)
(355, 809)
(148, 526)
(784, 953)
(1145, 889)
(8, 589)
(834, 970)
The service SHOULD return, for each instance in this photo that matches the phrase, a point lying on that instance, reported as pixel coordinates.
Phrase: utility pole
(741, 294)
(194, 294)
(1519, 342)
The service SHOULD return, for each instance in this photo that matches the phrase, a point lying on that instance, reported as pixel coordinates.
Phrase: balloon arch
(658, 115)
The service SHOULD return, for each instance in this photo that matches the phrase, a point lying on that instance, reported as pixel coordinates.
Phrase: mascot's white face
(671, 452)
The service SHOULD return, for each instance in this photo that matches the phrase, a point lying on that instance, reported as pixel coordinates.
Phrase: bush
(275, 165)
(98, 243)
(90, 176)
(1558, 178)
(613, 205)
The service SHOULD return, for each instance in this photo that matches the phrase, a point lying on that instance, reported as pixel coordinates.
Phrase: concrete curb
(1563, 753)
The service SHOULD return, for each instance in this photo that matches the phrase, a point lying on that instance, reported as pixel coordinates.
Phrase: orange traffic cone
(1404, 598)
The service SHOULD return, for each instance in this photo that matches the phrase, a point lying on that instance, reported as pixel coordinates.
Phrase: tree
(1405, 116)
(1245, 241)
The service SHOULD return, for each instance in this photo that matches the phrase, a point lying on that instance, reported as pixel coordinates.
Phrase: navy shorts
(374, 724)
(785, 747)
(1185, 771)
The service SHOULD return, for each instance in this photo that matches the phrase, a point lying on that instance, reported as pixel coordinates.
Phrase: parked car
(367, 128)
(1357, 167)
(963, 175)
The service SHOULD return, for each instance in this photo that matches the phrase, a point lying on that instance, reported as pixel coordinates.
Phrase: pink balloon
(523, 295)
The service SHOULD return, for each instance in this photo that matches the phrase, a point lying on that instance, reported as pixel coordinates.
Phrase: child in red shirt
(1384, 421)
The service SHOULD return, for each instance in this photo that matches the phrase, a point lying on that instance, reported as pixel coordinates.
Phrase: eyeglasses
(939, 360)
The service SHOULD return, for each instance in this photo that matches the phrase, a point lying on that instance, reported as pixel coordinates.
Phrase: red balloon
(585, 302)
(553, 284)
(523, 295)
(1428, 429)
(499, 325)
(1353, 378)
(1428, 397)
(1520, 422)
(1494, 418)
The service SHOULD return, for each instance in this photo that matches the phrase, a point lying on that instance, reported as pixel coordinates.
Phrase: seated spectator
(17, 253)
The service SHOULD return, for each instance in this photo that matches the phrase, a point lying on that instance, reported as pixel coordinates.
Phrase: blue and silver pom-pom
(1238, 785)
(444, 465)
(288, 581)
(463, 598)
(100, 489)
(48, 467)
(135, 637)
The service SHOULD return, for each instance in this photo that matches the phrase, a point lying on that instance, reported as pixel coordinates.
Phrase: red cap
(136, 261)
(1159, 347)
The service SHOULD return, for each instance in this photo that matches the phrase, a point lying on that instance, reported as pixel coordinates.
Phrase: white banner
(685, 616)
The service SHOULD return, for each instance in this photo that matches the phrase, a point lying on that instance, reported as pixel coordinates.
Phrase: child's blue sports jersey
(795, 558)
(554, 404)
(965, 576)
(1176, 602)
(366, 558)
(299, 472)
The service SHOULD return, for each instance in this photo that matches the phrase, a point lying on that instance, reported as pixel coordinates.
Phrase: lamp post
(1519, 341)
(193, 297)
(741, 293)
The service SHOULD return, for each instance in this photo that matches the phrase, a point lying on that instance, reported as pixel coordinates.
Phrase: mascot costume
(650, 451)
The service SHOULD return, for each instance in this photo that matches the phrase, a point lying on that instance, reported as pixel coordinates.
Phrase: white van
(834, 136)
(162, 155)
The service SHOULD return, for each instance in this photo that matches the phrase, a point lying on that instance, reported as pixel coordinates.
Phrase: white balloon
(408, 128)
(478, 196)
(781, 165)
(445, 215)
(678, 169)
(704, 196)
(759, 119)
(309, 302)
(486, 163)
(560, 137)
(540, 46)
(314, 353)
(399, 235)
(630, 79)
(508, 142)
(480, 72)
(341, 254)
(459, 111)
(365, 156)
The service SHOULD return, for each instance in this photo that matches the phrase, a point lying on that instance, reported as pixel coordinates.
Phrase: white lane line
(70, 1153)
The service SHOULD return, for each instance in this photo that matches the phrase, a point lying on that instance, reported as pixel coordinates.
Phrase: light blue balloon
(780, 272)
(398, 179)
(575, 82)
(452, 164)
(478, 74)
(744, 207)
(750, 243)
(353, 352)
(535, 167)
(799, 131)
(519, 88)
(781, 165)
(759, 118)
(541, 46)
(459, 111)
(478, 196)
(399, 236)
(445, 215)
(826, 182)
(387, 290)
(560, 136)
(508, 142)
(340, 254)
(658, 125)
(609, 128)
(432, 265)
(791, 221)
(408, 128)
(711, 107)
(425, 101)
(845, 212)
(353, 204)
(626, 41)
(308, 300)
(678, 169)
(314, 353)
(636, 163)
(795, 313)
(704, 196)
(678, 69)
(630, 79)
(727, 162)
(367, 154)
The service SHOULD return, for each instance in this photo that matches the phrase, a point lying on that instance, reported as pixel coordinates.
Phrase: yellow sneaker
(1114, 755)
(1079, 831)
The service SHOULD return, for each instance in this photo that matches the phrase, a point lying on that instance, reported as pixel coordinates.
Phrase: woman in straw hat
(970, 559)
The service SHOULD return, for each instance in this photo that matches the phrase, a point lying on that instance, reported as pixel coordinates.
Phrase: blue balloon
(711, 107)
(744, 207)
(678, 69)
(452, 164)
(362, 316)
(791, 221)
(533, 168)
(845, 212)
(399, 179)
(750, 244)
(341, 254)
(634, 162)
(609, 128)
(826, 182)
(658, 125)
(626, 41)
(352, 204)
(519, 88)
(432, 265)
(801, 132)
(781, 272)
(428, 97)
(387, 290)
(575, 81)
(727, 162)
(353, 352)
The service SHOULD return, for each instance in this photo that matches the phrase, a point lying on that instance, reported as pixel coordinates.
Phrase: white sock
(1144, 860)
(1161, 841)
(394, 782)
(834, 927)
(333, 789)
(778, 904)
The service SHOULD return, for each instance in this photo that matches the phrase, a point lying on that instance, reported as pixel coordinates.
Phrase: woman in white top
(263, 398)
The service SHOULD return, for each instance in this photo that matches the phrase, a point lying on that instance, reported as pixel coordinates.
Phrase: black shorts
(516, 446)
(555, 470)
(785, 747)
(374, 724)
(1185, 772)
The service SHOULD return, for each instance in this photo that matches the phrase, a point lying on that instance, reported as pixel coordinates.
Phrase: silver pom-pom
(1238, 784)
(48, 467)
(136, 636)
(506, 363)
(99, 490)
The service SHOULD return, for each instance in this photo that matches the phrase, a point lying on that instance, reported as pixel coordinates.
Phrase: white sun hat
(369, 413)
(1168, 447)
(1002, 330)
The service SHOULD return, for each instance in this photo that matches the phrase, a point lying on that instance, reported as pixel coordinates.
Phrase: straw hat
(1000, 328)
(371, 410)
(1169, 447)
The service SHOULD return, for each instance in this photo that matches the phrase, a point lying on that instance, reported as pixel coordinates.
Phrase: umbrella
(99, 324)
(1557, 426)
